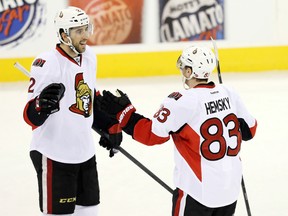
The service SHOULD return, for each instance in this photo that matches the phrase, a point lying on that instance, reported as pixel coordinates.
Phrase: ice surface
(125, 189)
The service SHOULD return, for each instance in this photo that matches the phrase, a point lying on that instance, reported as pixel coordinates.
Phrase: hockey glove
(118, 107)
(112, 140)
(48, 101)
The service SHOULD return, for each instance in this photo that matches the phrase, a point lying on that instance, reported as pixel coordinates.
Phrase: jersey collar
(64, 54)
(205, 85)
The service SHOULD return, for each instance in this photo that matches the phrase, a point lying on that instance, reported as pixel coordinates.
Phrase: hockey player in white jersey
(61, 110)
(207, 123)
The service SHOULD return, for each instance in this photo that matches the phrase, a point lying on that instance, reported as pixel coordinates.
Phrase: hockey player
(61, 111)
(207, 123)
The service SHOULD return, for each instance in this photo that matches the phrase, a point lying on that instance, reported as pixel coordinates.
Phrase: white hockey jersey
(203, 122)
(66, 135)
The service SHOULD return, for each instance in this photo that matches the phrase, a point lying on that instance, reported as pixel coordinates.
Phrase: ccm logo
(67, 200)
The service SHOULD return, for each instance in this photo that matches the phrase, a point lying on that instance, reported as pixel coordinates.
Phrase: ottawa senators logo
(39, 62)
(175, 95)
(83, 105)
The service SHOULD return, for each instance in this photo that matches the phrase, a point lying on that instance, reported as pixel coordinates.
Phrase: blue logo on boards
(19, 20)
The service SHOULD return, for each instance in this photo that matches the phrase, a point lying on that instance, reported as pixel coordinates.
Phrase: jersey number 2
(217, 137)
(32, 83)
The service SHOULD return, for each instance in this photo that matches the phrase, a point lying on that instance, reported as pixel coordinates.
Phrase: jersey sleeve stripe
(143, 133)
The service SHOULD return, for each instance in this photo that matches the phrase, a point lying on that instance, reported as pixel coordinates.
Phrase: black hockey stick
(123, 151)
(245, 197)
(152, 175)
(220, 81)
(135, 161)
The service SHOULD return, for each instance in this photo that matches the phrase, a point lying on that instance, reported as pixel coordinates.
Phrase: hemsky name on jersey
(217, 105)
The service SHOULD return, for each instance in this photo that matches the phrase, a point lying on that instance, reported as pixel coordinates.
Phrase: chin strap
(184, 79)
(70, 45)
(184, 82)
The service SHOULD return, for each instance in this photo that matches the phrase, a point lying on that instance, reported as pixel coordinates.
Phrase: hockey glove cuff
(124, 116)
(118, 107)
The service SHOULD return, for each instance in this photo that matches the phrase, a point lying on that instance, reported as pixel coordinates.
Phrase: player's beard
(80, 47)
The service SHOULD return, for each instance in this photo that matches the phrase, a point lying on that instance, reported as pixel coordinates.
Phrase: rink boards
(158, 63)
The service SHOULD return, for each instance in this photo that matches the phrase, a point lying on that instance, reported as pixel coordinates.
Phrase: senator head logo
(19, 20)
(83, 105)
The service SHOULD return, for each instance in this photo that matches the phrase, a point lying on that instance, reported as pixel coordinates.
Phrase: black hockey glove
(108, 128)
(112, 139)
(118, 107)
(48, 101)
(112, 144)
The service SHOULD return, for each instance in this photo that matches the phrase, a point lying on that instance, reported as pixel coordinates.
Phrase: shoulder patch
(175, 95)
(39, 62)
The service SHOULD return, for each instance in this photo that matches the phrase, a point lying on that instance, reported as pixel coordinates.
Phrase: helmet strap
(184, 79)
(69, 44)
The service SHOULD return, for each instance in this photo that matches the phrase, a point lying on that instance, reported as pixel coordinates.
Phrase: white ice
(125, 189)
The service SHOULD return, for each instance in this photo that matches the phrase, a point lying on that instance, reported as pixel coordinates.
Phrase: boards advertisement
(188, 20)
(20, 21)
(115, 21)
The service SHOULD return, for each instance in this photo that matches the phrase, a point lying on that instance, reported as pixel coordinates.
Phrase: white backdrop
(247, 23)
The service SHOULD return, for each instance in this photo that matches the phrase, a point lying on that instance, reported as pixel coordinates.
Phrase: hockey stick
(123, 151)
(22, 69)
(152, 175)
(245, 197)
(220, 81)
(217, 61)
